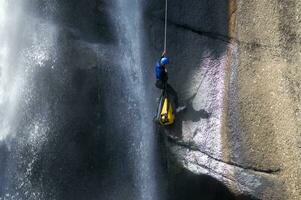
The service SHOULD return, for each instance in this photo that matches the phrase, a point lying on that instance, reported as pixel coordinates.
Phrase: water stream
(130, 33)
(58, 138)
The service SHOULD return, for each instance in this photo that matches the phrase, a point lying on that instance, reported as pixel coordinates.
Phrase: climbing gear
(164, 61)
(165, 115)
(165, 28)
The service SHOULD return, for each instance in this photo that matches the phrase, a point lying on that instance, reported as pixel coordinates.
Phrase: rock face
(235, 65)
(268, 90)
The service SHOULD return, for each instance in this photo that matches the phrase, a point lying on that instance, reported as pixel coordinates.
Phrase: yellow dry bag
(167, 116)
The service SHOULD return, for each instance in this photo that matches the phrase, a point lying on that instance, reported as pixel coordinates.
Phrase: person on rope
(169, 98)
(162, 81)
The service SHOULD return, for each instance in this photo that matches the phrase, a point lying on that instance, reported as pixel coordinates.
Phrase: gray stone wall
(236, 66)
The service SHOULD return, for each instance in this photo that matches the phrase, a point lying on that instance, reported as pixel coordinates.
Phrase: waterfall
(27, 45)
(10, 78)
(128, 16)
(56, 140)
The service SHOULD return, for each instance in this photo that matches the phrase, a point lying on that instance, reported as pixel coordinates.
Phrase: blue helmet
(164, 61)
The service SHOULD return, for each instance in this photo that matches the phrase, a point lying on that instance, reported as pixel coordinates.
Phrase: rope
(165, 28)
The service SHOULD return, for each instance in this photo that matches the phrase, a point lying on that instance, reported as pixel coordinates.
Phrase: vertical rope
(165, 28)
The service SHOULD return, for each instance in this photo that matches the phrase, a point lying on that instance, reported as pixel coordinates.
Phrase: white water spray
(26, 44)
(129, 25)
(10, 79)
(29, 43)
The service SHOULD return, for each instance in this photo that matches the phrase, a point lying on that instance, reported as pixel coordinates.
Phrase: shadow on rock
(190, 114)
(188, 186)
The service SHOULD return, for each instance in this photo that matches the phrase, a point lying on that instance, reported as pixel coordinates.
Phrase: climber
(162, 82)
(168, 103)
(162, 78)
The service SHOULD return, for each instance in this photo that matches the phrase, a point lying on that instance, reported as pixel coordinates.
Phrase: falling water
(129, 28)
(46, 135)
(11, 80)
(27, 45)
